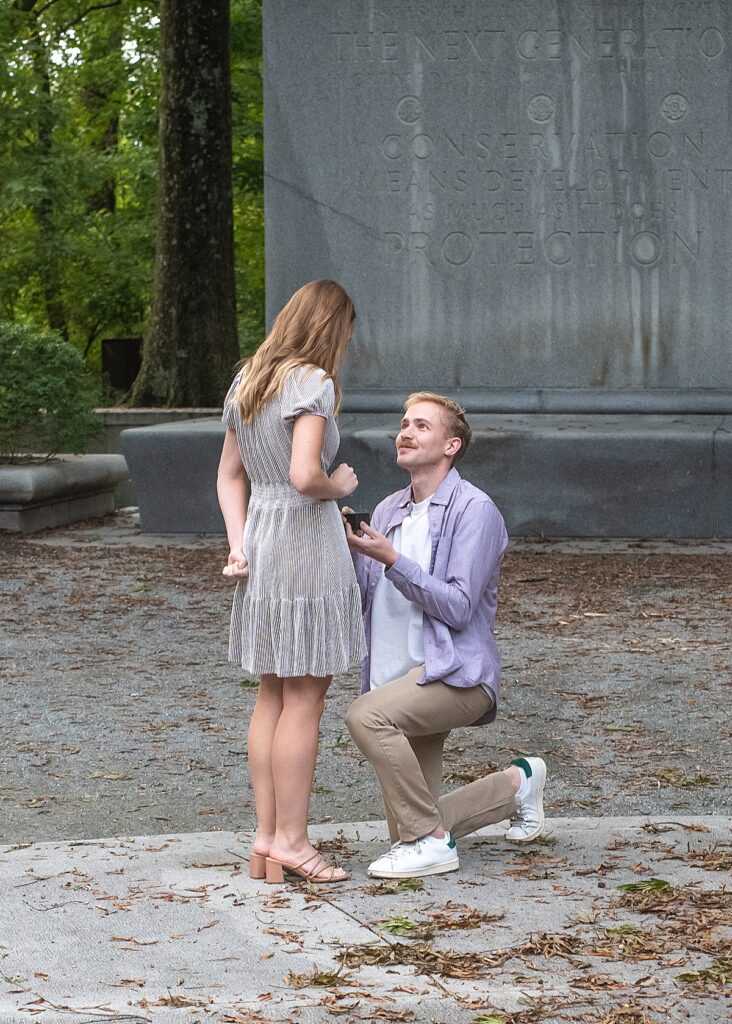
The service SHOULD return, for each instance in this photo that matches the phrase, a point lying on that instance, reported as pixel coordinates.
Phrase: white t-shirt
(395, 620)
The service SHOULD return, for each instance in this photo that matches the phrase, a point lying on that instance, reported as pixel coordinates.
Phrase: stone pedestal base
(115, 419)
(173, 467)
(68, 489)
(577, 476)
(552, 475)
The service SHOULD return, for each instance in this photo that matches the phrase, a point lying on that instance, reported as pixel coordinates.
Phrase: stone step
(551, 475)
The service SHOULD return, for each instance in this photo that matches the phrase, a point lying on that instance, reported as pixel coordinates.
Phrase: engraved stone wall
(518, 193)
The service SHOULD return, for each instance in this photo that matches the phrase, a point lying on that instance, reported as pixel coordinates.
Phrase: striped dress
(299, 612)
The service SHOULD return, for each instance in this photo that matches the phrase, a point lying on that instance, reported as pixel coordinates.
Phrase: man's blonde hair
(453, 418)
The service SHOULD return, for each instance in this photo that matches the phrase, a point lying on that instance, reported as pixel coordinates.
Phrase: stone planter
(66, 489)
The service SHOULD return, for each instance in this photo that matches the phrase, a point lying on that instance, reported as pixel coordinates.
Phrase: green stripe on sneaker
(451, 841)
(523, 764)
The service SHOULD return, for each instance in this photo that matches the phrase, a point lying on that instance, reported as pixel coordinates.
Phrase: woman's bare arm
(231, 487)
(306, 471)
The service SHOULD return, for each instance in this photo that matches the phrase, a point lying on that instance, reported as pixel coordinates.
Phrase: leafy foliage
(46, 394)
(79, 89)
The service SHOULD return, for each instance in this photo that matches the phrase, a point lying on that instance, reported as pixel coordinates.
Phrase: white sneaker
(528, 821)
(426, 856)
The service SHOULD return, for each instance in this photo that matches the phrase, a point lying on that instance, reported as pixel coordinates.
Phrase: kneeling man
(428, 569)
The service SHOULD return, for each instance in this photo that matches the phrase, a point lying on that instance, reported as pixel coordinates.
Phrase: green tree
(248, 168)
(79, 97)
(76, 249)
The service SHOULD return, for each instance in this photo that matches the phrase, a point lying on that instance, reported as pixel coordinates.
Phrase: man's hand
(373, 544)
(345, 513)
(237, 567)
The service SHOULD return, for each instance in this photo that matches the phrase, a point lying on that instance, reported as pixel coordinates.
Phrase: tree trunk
(191, 343)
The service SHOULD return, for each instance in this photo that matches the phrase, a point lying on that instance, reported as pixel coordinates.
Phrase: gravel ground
(120, 714)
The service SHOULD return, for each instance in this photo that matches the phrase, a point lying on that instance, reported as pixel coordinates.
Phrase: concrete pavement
(169, 928)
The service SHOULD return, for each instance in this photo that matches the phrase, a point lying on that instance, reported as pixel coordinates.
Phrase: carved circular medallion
(409, 109)
(675, 107)
(645, 248)
(541, 108)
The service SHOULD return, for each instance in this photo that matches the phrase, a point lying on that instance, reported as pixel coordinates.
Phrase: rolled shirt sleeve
(476, 549)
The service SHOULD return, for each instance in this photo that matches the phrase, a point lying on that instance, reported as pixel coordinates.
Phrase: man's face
(422, 441)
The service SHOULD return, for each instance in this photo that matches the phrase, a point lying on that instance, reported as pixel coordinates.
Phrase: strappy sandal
(257, 865)
(275, 871)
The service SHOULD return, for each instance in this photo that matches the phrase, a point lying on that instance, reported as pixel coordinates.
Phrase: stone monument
(523, 194)
(529, 201)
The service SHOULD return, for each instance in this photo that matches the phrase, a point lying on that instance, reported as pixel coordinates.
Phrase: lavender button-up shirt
(458, 595)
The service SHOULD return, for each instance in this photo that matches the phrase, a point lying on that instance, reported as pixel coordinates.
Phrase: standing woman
(296, 618)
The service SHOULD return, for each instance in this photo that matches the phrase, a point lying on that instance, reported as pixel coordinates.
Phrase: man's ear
(454, 445)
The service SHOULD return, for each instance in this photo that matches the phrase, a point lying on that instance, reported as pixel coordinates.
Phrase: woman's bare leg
(262, 728)
(294, 751)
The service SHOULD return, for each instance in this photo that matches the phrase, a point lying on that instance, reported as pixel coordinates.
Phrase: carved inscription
(482, 152)
(531, 45)
(526, 248)
(519, 193)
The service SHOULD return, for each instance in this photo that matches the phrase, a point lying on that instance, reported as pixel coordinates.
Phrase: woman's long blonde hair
(312, 329)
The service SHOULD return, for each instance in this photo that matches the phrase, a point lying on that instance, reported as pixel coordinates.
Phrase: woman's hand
(345, 480)
(237, 566)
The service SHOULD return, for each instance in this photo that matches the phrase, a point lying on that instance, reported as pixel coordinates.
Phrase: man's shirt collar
(441, 496)
(444, 492)
(402, 500)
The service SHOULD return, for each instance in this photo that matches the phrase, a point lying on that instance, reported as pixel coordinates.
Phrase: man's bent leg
(480, 803)
(428, 750)
(382, 723)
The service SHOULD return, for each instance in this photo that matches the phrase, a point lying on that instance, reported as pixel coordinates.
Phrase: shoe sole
(436, 869)
(540, 829)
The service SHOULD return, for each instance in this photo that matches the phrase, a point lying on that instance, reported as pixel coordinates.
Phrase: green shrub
(46, 395)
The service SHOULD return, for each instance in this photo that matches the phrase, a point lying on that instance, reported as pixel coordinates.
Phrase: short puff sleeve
(231, 409)
(307, 392)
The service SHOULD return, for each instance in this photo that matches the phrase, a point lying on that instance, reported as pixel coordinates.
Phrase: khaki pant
(395, 727)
